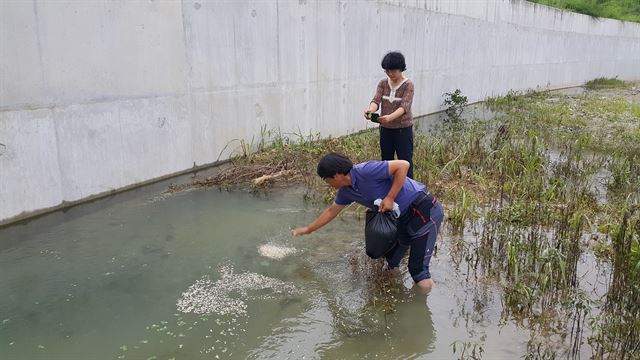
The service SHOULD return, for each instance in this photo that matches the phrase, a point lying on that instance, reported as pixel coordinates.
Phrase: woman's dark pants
(397, 142)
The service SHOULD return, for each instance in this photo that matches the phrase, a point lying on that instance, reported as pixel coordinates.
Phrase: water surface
(105, 284)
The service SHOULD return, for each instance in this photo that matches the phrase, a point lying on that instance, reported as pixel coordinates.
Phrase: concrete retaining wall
(99, 95)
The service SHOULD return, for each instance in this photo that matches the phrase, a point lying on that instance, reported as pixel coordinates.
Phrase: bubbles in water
(209, 297)
(275, 251)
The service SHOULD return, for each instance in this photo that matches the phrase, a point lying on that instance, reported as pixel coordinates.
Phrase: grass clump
(602, 82)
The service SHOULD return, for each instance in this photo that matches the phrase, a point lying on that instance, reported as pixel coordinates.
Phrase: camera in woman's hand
(372, 116)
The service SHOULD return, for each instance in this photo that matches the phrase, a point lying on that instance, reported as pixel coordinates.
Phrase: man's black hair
(394, 61)
(332, 164)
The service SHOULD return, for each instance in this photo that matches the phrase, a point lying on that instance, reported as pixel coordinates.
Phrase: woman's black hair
(394, 61)
(332, 164)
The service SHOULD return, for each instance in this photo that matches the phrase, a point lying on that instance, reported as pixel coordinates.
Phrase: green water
(102, 281)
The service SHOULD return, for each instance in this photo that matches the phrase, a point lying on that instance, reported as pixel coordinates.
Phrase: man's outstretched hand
(300, 231)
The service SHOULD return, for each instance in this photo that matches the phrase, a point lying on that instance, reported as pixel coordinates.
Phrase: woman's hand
(384, 119)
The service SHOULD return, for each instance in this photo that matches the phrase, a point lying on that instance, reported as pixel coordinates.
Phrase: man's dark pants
(418, 230)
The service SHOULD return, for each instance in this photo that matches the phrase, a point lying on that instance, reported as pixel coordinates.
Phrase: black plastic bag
(379, 233)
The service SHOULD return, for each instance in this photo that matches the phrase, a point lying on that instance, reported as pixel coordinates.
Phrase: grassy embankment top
(626, 10)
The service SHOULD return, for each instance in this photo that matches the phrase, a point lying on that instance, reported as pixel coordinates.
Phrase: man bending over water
(420, 213)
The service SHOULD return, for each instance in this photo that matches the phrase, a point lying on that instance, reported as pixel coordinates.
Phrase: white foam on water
(275, 251)
(228, 295)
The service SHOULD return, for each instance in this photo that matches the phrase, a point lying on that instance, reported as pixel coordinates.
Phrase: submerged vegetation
(547, 181)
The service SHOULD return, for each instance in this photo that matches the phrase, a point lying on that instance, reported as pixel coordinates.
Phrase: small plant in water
(463, 210)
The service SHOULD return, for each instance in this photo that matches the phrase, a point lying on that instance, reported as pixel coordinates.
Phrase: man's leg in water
(419, 258)
(394, 256)
(422, 250)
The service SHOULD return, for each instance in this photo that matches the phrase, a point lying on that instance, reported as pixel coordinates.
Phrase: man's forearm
(399, 171)
(398, 181)
(327, 215)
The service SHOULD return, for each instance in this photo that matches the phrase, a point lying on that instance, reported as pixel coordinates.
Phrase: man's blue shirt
(371, 180)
